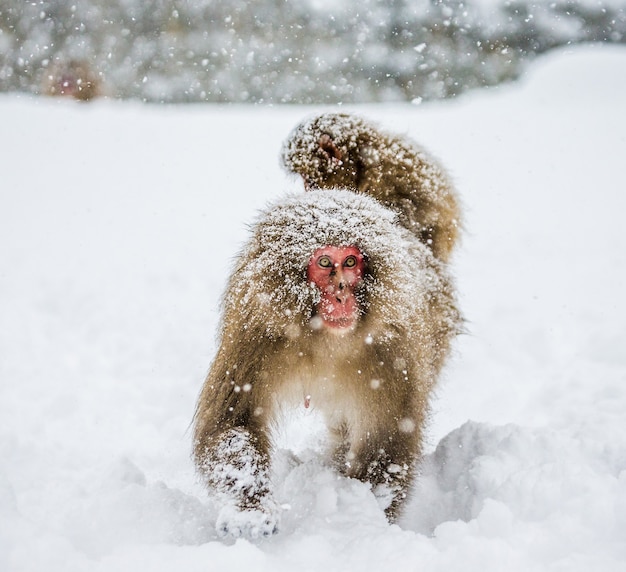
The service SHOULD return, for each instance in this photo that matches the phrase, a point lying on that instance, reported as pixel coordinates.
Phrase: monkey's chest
(331, 375)
(334, 391)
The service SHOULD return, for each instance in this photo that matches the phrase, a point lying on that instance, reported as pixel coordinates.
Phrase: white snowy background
(118, 226)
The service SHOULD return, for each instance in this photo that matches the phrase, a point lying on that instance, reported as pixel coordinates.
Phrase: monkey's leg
(339, 447)
(388, 462)
(236, 465)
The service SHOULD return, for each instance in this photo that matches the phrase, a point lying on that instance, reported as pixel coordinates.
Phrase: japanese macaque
(332, 305)
(337, 150)
(73, 78)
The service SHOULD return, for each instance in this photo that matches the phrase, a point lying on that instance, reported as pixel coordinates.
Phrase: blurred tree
(281, 51)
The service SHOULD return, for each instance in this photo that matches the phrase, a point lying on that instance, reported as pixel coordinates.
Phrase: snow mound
(577, 75)
(518, 476)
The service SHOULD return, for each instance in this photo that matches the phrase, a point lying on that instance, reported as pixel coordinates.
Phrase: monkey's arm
(231, 450)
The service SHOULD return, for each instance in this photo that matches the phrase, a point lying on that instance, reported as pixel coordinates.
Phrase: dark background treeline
(277, 51)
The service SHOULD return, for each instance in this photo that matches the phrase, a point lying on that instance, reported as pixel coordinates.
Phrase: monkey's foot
(251, 523)
(390, 498)
(384, 495)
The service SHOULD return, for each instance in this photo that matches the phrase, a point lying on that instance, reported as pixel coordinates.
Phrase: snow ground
(118, 225)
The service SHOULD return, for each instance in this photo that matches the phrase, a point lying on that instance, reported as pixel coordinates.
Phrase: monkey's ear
(327, 145)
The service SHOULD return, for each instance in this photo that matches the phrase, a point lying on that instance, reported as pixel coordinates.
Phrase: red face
(336, 271)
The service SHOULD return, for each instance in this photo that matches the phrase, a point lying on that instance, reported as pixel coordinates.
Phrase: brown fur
(371, 383)
(73, 78)
(337, 150)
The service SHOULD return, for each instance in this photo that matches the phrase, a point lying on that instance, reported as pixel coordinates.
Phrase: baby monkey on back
(337, 150)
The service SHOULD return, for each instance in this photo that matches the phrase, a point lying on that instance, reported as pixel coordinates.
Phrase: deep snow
(119, 224)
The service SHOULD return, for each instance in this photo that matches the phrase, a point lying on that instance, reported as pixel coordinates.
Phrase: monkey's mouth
(337, 310)
(337, 322)
(342, 323)
(334, 326)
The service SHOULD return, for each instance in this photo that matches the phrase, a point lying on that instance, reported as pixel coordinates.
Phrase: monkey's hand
(250, 523)
(237, 468)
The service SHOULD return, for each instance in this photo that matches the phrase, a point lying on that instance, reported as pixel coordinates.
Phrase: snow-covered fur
(338, 150)
(371, 383)
(236, 471)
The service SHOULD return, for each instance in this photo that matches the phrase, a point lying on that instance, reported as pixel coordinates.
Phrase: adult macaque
(337, 150)
(332, 305)
(73, 78)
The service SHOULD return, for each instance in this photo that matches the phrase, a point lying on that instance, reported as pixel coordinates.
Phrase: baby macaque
(332, 305)
(338, 150)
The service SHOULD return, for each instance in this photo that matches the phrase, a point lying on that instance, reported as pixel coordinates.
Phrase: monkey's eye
(325, 262)
(350, 262)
